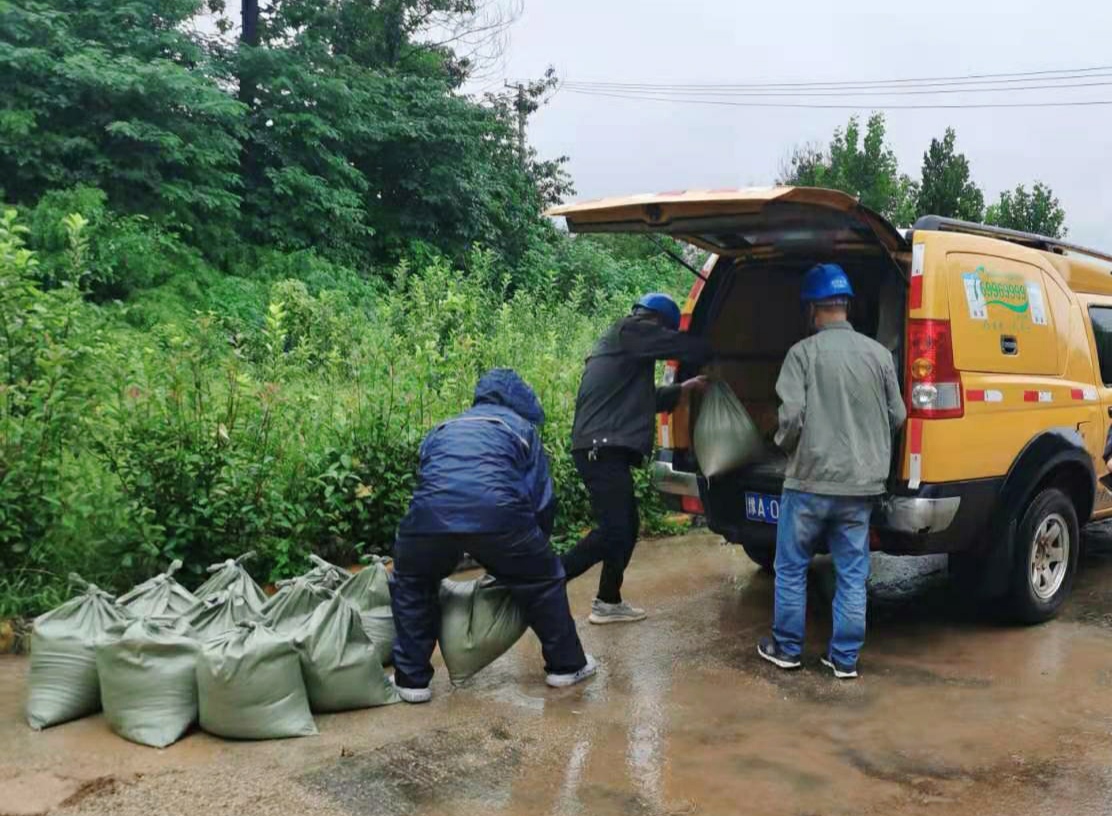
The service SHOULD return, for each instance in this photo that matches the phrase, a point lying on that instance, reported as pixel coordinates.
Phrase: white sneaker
(602, 613)
(565, 680)
(412, 695)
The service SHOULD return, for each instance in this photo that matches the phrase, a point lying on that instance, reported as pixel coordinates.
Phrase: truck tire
(763, 556)
(1047, 544)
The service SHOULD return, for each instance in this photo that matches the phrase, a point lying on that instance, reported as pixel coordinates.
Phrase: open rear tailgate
(746, 221)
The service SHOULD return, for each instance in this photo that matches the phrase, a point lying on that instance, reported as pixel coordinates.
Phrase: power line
(980, 79)
(574, 86)
(826, 106)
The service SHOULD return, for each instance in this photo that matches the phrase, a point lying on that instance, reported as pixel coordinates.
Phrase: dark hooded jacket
(485, 471)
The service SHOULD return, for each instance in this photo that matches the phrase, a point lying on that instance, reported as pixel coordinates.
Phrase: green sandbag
(325, 574)
(725, 438)
(370, 587)
(249, 686)
(479, 622)
(63, 682)
(219, 613)
(296, 600)
(160, 596)
(231, 576)
(379, 625)
(339, 663)
(148, 680)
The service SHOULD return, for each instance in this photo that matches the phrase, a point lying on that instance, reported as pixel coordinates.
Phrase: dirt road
(953, 716)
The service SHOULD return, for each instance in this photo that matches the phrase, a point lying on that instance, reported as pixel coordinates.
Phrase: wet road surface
(954, 715)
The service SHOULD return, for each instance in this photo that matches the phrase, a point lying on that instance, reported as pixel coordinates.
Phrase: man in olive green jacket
(840, 407)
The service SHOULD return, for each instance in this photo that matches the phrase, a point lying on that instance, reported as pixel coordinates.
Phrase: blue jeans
(805, 519)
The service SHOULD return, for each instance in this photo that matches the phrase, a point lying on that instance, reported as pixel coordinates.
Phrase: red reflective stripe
(916, 436)
(1077, 393)
(1030, 396)
(975, 395)
(685, 321)
(915, 299)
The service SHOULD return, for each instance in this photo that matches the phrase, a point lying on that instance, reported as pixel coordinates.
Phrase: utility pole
(520, 119)
(248, 35)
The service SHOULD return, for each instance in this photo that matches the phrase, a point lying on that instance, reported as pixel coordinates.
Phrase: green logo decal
(994, 289)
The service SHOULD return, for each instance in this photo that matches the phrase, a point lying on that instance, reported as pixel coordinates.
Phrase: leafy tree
(120, 95)
(1037, 211)
(863, 165)
(946, 188)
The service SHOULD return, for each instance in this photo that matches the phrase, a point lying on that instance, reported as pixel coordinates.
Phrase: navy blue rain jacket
(485, 471)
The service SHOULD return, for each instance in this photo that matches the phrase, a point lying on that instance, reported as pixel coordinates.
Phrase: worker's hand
(697, 384)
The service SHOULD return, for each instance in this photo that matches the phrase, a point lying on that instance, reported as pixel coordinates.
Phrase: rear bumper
(938, 518)
(673, 482)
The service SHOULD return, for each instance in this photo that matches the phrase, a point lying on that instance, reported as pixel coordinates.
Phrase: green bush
(216, 413)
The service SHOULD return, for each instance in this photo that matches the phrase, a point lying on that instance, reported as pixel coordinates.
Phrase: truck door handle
(1008, 344)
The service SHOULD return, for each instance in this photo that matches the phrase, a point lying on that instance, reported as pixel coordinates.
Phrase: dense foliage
(865, 166)
(279, 412)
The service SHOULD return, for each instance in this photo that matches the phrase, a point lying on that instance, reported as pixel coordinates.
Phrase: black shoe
(842, 671)
(768, 649)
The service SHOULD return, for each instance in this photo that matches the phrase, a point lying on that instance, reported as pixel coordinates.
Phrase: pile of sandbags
(243, 666)
(63, 681)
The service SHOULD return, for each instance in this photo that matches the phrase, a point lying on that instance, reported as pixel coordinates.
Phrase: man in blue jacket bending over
(484, 488)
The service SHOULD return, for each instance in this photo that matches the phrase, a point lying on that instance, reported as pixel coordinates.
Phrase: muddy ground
(954, 715)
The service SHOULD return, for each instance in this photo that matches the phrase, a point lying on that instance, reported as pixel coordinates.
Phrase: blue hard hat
(664, 306)
(825, 282)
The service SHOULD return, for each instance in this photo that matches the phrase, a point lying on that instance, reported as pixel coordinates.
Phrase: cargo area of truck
(752, 314)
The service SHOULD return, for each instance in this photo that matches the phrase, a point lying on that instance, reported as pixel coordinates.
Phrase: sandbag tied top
(232, 576)
(370, 587)
(379, 625)
(294, 602)
(249, 686)
(341, 668)
(479, 622)
(325, 574)
(219, 613)
(725, 438)
(148, 680)
(160, 596)
(63, 682)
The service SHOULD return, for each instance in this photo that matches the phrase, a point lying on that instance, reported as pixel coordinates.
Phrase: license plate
(762, 507)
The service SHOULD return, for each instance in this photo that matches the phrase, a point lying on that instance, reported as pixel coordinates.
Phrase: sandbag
(219, 613)
(725, 438)
(148, 680)
(370, 587)
(63, 682)
(325, 574)
(160, 596)
(232, 576)
(249, 686)
(379, 625)
(479, 622)
(339, 663)
(293, 604)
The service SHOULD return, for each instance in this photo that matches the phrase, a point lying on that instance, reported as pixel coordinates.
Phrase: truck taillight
(934, 385)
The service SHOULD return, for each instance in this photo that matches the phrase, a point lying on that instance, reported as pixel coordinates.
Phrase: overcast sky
(619, 146)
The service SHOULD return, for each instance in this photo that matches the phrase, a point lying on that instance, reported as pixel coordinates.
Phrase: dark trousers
(608, 475)
(522, 561)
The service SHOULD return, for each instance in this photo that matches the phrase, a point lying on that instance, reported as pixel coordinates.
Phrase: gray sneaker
(602, 613)
(415, 696)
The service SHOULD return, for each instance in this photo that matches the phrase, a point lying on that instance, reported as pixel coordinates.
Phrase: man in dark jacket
(613, 432)
(483, 488)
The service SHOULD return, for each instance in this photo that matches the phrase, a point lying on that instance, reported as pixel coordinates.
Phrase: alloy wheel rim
(1049, 558)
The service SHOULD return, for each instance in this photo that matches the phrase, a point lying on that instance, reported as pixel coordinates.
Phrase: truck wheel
(1047, 540)
(763, 557)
